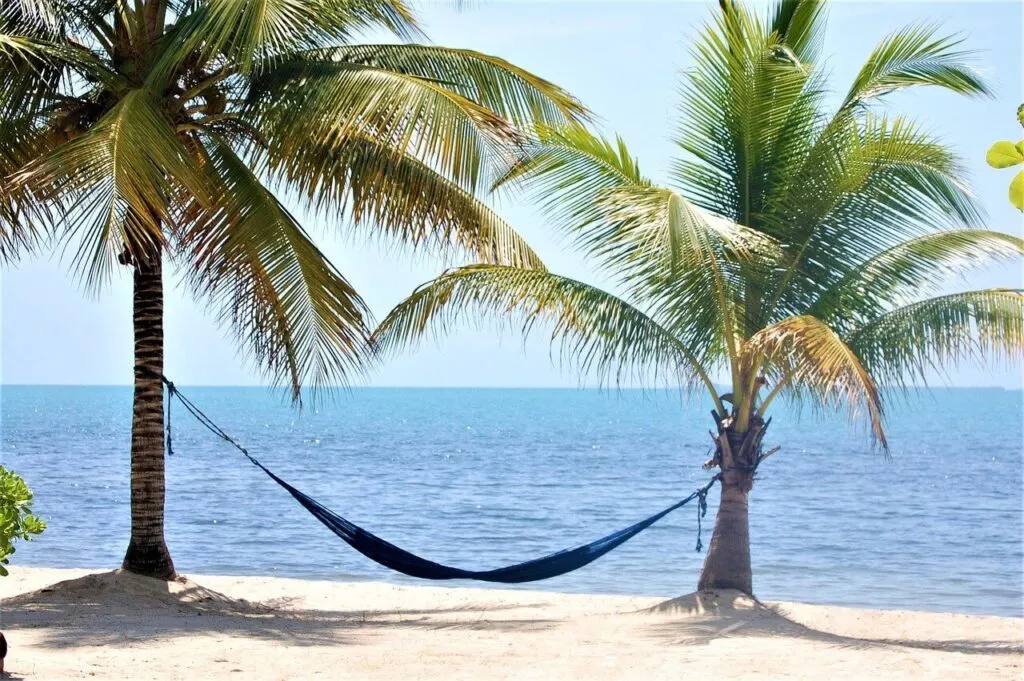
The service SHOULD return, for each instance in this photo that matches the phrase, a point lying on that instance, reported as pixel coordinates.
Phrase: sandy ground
(118, 626)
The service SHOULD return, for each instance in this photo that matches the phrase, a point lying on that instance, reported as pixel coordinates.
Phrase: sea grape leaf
(1005, 154)
(1017, 191)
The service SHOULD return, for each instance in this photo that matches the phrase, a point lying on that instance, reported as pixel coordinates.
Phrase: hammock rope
(400, 560)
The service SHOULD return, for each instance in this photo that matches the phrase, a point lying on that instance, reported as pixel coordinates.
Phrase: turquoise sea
(484, 477)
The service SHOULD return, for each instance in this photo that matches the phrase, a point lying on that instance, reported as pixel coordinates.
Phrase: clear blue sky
(622, 60)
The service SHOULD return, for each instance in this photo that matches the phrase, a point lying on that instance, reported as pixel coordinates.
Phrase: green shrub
(1004, 154)
(16, 519)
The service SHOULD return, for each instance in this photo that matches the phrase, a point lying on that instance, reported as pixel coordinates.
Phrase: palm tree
(793, 253)
(135, 131)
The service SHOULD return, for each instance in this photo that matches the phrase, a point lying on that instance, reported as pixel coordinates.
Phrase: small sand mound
(121, 592)
(726, 602)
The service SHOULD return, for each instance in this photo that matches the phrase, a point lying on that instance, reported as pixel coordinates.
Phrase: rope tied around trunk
(170, 441)
(391, 556)
(206, 421)
(702, 510)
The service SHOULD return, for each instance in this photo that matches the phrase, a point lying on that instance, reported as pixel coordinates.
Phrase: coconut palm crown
(131, 132)
(794, 250)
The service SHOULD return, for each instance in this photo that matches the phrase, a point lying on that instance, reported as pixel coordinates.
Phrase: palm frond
(35, 18)
(21, 230)
(600, 334)
(737, 120)
(676, 260)
(42, 78)
(117, 182)
(504, 88)
(592, 189)
(22, 53)
(665, 251)
(906, 344)
(81, 24)
(329, 102)
(912, 57)
(804, 356)
(247, 33)
(395, 195)
(750, 108)
(645, 233)
(568, 169)
(247, 256)
(800, 24)
(866, 186)
(908, 271)
(569, 172)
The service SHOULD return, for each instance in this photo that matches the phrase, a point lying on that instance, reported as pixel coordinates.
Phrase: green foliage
(1016, 191)
(914, 56)
(16, 519)
(161, 125)
(1006, 155)
(793, 249)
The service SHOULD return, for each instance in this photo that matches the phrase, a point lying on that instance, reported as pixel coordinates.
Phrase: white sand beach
(119, 626)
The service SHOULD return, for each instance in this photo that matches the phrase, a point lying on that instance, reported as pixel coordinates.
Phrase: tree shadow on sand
(703, 617)
(118, 608)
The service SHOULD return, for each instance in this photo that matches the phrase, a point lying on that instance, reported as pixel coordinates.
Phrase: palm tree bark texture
(737, 455)
(147, 552)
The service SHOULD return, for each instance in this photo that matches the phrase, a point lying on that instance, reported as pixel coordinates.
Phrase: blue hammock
(400, 560)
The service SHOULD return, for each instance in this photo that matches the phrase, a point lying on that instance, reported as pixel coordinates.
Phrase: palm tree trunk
(727, 565)
(147, 552)
(737, 454)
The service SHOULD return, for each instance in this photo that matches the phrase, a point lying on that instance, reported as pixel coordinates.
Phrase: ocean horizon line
(594, 388)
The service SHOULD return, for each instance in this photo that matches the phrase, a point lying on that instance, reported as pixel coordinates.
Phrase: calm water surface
(480, 478)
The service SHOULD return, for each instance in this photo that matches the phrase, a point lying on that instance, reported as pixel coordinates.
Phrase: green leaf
(1005, 154)
(327, 101)
(252, 33)
(36, 54)
(801, 24)
(253, 262)
(391, 193)
(502, 87)
(811, 356)
(866, 186)
(905, 344)
(118, 182)
(16, 519)
(916, 267)
(915, 56)
(1017, 191)
(601, 334)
